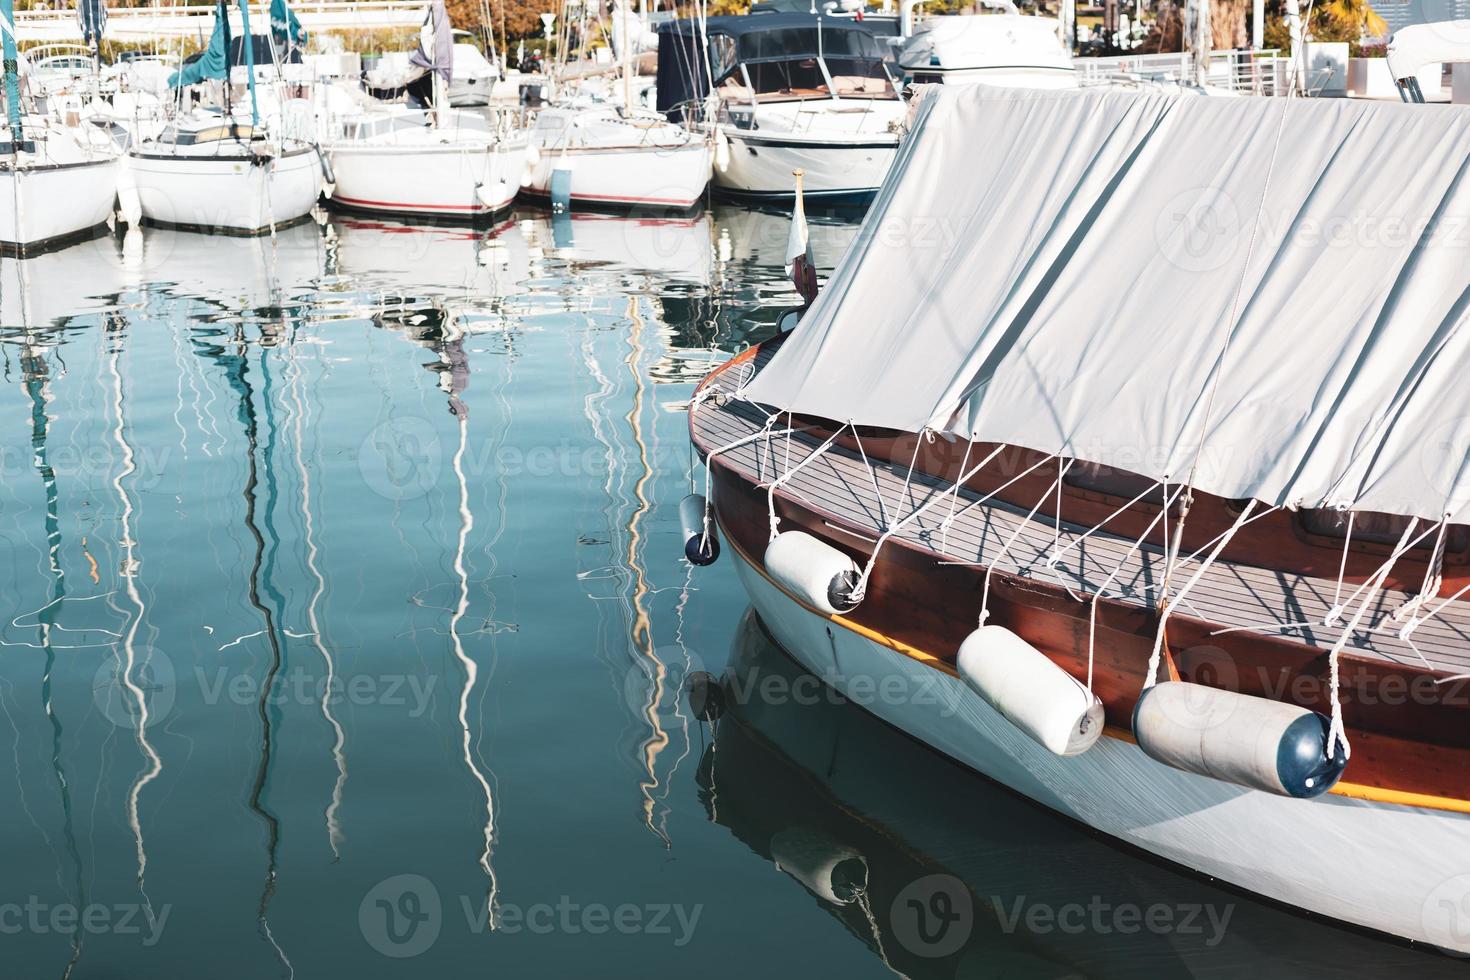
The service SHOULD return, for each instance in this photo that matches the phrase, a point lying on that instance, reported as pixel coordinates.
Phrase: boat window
(802, 76)
(1115, 483)
(1371, 527)
(721, 54)
(859, 77)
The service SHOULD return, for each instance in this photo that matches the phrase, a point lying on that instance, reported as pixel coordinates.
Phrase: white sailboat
(214, 169)
(54, 185)
(445, 162)
(596, 153)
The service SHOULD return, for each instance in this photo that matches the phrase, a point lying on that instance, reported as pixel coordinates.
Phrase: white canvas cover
(1060, 271)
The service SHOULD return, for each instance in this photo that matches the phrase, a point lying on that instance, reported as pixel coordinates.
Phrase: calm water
(345, 633)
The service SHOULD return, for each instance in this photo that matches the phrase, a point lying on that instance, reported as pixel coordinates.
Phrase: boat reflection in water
(944, 874)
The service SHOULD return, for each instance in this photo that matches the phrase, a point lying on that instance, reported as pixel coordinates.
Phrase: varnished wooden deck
(1237, 597)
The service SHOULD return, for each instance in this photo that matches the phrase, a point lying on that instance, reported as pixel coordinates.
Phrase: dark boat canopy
(685, 66)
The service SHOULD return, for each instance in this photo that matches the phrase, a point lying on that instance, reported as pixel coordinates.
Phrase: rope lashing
(792, 471)
(1102, 589)
(1006, 548)
(860, 589)
(1166, 607)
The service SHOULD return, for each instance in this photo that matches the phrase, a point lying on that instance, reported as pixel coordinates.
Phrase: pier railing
(1247, 72)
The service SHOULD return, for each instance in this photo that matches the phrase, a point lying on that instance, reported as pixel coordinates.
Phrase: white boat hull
(226, 194)
(762, 165)
(1401, 870)
(48, 205)
(629, 176)
(444, 180)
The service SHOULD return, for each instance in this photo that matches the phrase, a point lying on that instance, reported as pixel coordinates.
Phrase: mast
(625, 8)
(249, 46)
(12, 76)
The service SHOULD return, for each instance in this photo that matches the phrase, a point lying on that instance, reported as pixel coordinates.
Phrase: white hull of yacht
(447, 180)
(672, 177)
(1397, 869)
(762, 164)
(48, 205)
(230, 194)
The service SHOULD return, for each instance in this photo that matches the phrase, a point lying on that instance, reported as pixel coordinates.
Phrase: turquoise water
(346, 633)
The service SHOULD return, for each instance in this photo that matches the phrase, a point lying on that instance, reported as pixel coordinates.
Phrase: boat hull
(47, 206)
(671, 177)
(761, 166)
(227, 194)
(1395, 869)
(445, 181)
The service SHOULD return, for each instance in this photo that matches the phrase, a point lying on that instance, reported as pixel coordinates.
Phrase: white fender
(128, 202)
(722, 152)
(533, 159)
(830, 870)
(1032, 692)
(1237, 738)
(812, 570)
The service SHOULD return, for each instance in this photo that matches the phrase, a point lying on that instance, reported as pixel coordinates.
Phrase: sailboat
(596, 153)
(54, 186)
(217, 168)
(1162, 519)
(444, 162)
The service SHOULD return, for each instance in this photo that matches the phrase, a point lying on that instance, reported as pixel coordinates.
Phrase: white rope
(1167, 607)
(1336, 732)
(954, 500)
(771, 487)
(873, 473)
(1341, 572)
(860, 589)
(1102, 589)
(1334, 614)
(1005, 548)
(1056, 555)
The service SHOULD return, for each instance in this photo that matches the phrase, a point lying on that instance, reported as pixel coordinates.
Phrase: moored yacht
(790, 92)
(999, 46)
(1163, 522)
(219, 169)
(451, 163)
(601, 155)
(55, 185)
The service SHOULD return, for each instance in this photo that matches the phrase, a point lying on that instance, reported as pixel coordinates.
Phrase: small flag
(799, 262)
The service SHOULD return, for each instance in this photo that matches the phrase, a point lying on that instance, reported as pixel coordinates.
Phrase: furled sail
(1277, 289)
(435, 52)
(214, 60)
(286, 30)
(92, 19)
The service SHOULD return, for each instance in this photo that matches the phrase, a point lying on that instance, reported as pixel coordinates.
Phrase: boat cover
(1076, 272)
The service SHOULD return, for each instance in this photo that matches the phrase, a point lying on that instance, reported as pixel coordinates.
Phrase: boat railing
(1264, 72)
(193, 19)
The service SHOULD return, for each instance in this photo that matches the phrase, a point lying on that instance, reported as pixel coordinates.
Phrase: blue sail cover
(92, 18)
(285, 28)
(214, 62)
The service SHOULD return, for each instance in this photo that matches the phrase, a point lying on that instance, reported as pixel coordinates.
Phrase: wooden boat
(1312, 565)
